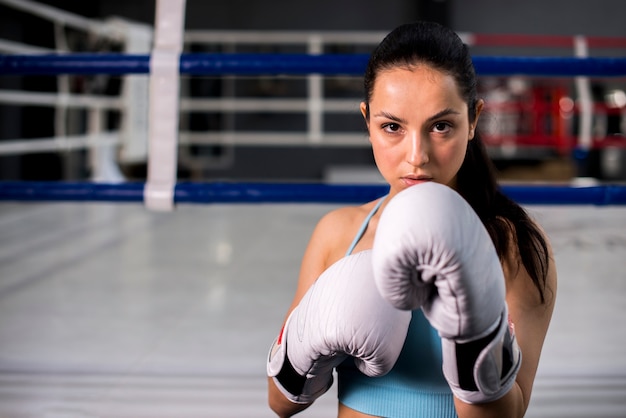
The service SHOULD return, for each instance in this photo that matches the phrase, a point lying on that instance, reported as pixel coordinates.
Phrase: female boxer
(433, 301)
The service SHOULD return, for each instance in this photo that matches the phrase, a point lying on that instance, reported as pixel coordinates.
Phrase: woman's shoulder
(346, 217)
(335, 231)
(329, 242)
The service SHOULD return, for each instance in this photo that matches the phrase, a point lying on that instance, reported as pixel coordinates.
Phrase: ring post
(163, 105)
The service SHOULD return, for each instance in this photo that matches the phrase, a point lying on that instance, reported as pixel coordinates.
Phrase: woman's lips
(412, 180)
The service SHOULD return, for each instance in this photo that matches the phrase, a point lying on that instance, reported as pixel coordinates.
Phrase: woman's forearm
(511, 405)
(282, 406)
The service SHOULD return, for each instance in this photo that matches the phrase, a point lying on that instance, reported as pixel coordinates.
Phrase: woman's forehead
(414, 82)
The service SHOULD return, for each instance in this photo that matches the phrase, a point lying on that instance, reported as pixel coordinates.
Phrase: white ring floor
(110, 310)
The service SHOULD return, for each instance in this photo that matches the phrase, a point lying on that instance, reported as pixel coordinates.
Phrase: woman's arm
(531, 319)
(282, 406)
(318, 255)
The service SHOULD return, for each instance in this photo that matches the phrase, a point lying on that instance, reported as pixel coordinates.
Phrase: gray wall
(277, 14)
(548, 17)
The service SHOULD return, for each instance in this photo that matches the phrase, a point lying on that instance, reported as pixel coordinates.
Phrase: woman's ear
(365, 113)
(480, 103)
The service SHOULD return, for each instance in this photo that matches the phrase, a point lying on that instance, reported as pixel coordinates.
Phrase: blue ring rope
(226, 192)
(291, 64)
(255, 64)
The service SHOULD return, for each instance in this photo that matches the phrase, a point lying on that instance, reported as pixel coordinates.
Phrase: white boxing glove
(341, 315)
(432, 251)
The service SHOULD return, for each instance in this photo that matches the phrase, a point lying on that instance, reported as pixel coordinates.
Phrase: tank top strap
(364, 225)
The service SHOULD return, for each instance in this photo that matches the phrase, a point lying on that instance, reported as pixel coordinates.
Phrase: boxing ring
(160, 298)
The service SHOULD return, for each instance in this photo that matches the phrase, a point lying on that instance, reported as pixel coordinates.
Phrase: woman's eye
(441, 127)
(391, 127)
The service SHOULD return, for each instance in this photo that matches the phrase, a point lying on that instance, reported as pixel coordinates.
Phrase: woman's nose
(417, 152)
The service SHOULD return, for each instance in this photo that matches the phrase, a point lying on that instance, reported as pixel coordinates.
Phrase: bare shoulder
(336, 230)
(329, 242)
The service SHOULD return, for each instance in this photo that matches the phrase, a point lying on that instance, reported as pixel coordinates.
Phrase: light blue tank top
(415, 387)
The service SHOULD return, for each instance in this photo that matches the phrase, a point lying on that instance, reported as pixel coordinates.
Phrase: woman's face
(418, 125)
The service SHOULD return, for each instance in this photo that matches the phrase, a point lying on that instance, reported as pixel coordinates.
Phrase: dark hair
(441, 48)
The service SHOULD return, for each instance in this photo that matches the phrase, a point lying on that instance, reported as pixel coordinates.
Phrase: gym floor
(111, 310)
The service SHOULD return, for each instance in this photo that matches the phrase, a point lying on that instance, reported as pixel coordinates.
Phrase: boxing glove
(342, 314)
(432, 251)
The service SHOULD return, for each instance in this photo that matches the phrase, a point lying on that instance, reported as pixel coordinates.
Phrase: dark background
(547, 17)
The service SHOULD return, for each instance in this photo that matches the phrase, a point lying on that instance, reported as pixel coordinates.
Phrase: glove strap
(483, 370)
(296, 387)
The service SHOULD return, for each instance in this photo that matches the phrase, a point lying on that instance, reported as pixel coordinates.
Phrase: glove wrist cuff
(294, 386)
(485, 369)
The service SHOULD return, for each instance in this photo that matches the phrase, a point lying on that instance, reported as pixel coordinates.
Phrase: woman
(421, 112)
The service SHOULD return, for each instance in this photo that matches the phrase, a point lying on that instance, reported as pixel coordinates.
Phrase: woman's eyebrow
(438, 115)
(389, 116)
(444, 112)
